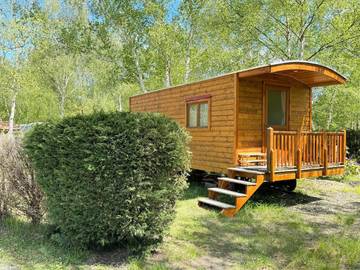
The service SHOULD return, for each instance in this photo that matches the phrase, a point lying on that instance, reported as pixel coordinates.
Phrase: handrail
(298, 149)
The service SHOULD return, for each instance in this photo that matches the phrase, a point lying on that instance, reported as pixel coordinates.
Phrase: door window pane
(276, 108)
(192, 115)
(204, 114)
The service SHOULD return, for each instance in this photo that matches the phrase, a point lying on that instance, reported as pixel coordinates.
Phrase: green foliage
(111, 177)
(353, 143)
(351, 169)
(83, 56)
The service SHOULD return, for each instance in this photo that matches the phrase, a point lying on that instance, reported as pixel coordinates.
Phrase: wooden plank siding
(212, 148)
(251, 135)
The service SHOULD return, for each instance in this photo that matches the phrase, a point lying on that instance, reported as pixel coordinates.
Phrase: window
(277, 103)
(198, 114)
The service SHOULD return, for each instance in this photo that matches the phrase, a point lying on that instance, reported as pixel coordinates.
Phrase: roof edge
(246, 70)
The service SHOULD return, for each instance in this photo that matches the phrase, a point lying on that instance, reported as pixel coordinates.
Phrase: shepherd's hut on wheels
(254, 125)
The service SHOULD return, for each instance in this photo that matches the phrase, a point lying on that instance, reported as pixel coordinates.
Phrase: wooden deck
(294, 155)
(290, 155)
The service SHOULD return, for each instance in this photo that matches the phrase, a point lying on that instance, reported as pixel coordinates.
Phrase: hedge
(111, 178)
(353, 143)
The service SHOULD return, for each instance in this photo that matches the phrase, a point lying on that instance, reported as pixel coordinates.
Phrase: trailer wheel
(289, 185)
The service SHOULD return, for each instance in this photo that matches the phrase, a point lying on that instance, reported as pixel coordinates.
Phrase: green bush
(111, 178)
(353, 143)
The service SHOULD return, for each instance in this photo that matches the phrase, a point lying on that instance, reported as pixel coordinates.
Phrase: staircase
(225, 184)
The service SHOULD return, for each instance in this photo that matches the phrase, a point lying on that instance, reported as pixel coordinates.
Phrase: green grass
(267, 234)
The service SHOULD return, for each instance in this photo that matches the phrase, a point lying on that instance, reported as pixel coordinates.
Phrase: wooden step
(252, 160)
(239, 169)
(227, 192)
(252, 154)
(237, 181)
(216, 203)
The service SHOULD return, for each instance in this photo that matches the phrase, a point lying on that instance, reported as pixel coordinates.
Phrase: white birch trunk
(138, 70)
(120, 107)
(188, 57)
(167, 73)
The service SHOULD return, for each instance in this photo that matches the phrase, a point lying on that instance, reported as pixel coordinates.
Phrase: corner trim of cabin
(236, 112)
(130, 98)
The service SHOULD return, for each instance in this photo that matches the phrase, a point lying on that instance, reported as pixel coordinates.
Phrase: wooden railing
(299, 150)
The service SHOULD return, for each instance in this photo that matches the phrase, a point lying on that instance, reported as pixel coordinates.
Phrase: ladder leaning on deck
(224, 185)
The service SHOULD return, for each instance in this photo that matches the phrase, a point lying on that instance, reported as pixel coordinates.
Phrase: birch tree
(15, 45)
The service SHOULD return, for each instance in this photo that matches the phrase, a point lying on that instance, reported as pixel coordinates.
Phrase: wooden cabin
(254, 125)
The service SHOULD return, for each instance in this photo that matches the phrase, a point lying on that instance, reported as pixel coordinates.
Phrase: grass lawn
(315, 227)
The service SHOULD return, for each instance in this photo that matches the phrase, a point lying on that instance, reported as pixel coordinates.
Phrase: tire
(288, 185)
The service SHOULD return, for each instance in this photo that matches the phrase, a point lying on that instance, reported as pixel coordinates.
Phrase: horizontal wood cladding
(251, 122)
(213, 148)
(250, 115)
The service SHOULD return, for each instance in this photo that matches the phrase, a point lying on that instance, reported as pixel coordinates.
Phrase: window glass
(276, 108)
(204, 114)
(192, 121)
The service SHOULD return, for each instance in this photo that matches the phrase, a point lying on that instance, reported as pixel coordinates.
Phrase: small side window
(198, 114)
(192, 115)
(204, 114)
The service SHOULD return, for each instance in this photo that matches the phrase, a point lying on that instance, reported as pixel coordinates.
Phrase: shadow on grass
(265, 195)
(30, 246)
(274, 196)
(195, 190)
(267, 233)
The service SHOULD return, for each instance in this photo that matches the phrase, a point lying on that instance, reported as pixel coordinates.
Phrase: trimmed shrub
(353, 143)
(111, 178)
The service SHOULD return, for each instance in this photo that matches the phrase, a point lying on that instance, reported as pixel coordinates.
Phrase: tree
(16, 32)
(295, 29)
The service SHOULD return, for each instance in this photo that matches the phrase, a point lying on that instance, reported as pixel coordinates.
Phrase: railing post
(272, 164)
(298, 155)
(325, 154)
(269, 147)
(344, 147)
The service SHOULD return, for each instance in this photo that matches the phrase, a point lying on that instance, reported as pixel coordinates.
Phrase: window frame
(197, 101)
(280, 88)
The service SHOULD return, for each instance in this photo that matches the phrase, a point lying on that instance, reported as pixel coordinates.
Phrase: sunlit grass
(267, 234)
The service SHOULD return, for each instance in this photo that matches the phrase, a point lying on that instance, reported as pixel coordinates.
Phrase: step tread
(246, 170)
(216, 203)
(252, 160)
(252, 154)
(237, 181)
(227, 192)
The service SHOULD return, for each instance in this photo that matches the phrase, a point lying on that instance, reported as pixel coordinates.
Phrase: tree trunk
(167, 73)
(12, 114)
(188, 57)
(138, 70)
(120, 107)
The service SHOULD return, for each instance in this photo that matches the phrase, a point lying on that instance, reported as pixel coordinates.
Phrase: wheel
(288, 185)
